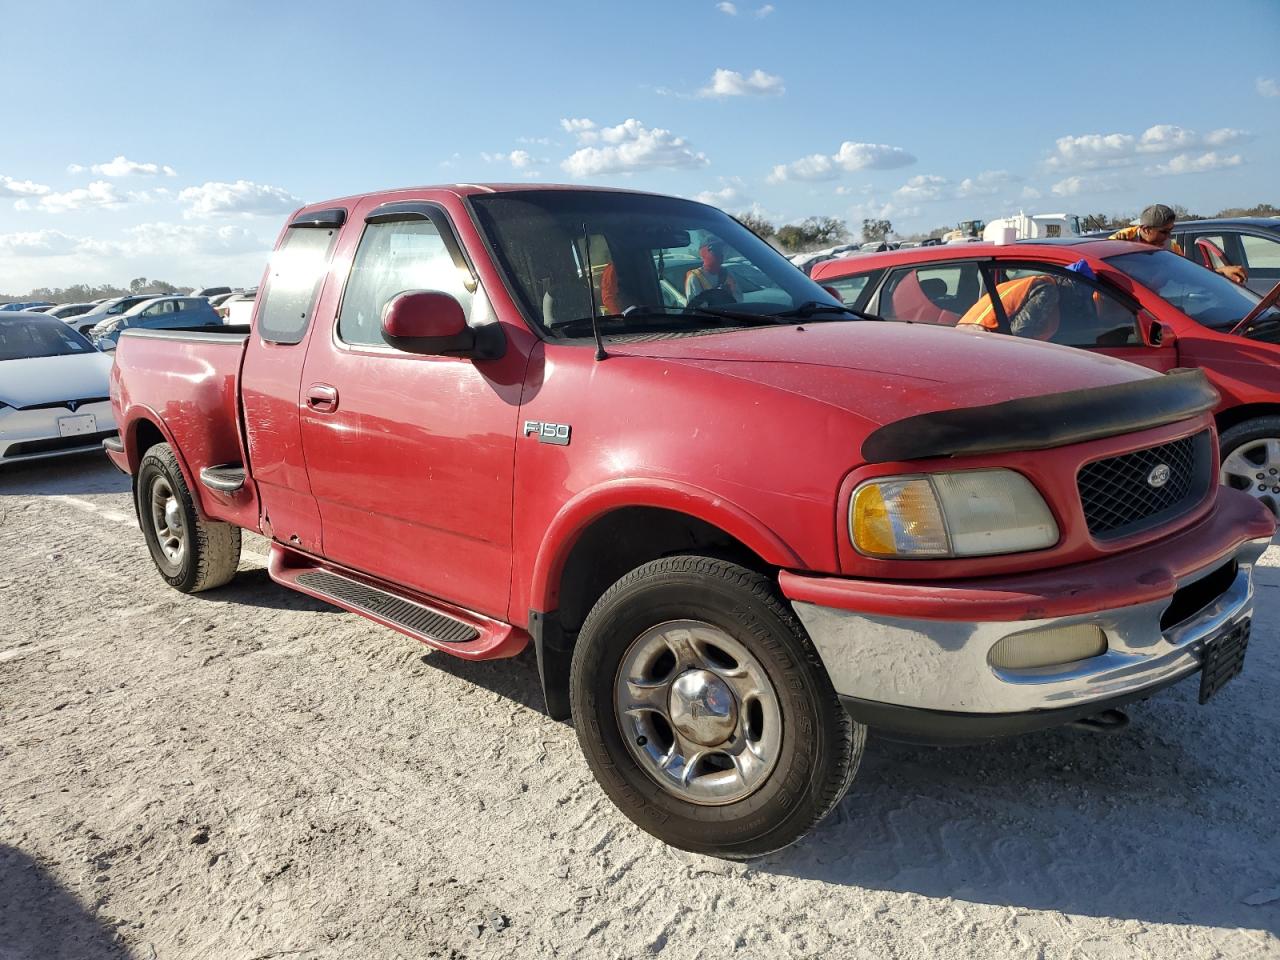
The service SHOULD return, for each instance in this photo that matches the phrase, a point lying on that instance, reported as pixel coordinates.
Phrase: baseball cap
(1157, 215)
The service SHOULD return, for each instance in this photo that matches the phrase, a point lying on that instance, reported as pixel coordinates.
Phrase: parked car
(44, 308)
(53, 390)
(1249, 242)
(218, 299)
(69, 311)
(1142, 304)
(160, 313)
(107, 309)
(237, 308)
(736, 530)
(211, 291)
(24, 305)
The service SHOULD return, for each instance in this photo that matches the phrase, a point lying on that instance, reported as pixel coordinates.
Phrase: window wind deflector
(334, 217)
(402, 210)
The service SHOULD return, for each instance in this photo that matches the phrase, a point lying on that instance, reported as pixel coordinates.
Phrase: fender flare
(139, 413)
(579, 512)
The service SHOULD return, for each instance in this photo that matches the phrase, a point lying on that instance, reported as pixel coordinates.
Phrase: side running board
(443, 626)
(227, 478)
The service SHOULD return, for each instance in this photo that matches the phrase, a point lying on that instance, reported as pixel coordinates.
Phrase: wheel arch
(145, 430)
(1234, 416)
(599, 537)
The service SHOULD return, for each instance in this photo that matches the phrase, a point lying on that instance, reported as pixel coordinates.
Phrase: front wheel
(191, 553)
(704, 710)
(1251, 459)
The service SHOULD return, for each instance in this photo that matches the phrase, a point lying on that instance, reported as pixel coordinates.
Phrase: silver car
(53, 390)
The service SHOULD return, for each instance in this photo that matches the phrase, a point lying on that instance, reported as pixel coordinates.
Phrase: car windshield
(22, 338)
(647, 264)
(1202, 294)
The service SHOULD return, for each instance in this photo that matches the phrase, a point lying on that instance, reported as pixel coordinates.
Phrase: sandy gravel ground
(252, 774)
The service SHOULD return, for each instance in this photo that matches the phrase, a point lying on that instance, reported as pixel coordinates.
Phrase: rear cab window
(298, 268)
(937, 293)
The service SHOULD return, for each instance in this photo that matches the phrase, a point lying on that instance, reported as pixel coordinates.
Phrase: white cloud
(730, 83)
(242, 198)
(851, 157)
(100, 193)
(40, 243)
(764, 11)
(630, 146)
(10, 187)
(190, 240)
(924, 188)
(986, 184)
(1189, 163)
(123, 167)
(1096, 151)
(1030, 193)
(536, 141)
(1075, 186)
(519, 159)
(1268, 87)
(577, 125)
(728, 197)
(730, 9)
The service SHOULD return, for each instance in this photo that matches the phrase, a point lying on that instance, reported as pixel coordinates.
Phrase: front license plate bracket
(1222, 659)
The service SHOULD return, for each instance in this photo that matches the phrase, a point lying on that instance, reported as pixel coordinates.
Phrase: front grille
(69, 404)
(1119, 499)
(54, 444)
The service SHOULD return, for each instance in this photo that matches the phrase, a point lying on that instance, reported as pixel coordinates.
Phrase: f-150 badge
(557, 433)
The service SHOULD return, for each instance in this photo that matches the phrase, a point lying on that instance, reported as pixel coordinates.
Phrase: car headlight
(972, 513)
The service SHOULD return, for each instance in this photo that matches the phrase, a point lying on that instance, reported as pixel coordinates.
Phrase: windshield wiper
(664, 313)
(811, 308)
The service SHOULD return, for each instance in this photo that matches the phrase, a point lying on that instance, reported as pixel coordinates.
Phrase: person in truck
(1155, 228)
(713, 274)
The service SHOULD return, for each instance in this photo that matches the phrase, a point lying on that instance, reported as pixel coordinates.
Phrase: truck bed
(186, 380)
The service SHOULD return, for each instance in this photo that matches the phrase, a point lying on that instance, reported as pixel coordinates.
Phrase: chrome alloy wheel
(1254, 467)
(698, 712)
(166, 520)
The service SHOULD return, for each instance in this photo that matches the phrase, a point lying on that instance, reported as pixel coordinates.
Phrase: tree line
(84, 292)
(814, 233)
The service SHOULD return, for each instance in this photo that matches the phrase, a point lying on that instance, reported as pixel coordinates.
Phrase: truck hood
(40, 380)
(884, 371)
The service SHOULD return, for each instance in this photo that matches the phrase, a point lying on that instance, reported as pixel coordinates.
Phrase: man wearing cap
(1155, 228)
(713, 274)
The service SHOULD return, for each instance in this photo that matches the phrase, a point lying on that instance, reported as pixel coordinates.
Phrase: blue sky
(169, 140)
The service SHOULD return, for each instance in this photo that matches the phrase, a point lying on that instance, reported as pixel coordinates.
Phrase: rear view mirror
(1154, 333)
(430, 322)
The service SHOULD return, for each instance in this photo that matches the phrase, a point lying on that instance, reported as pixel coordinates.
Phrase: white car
(53, 390)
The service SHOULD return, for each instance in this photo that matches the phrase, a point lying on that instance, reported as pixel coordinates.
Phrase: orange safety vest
(1013, 294)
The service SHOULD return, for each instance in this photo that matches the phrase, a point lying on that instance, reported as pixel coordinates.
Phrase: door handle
(322, 398)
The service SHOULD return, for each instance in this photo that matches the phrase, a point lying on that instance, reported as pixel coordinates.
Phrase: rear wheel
(191, 553)
(1251, 459)
(705, 712)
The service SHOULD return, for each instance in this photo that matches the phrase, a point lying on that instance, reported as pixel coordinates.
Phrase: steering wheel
(715, 297)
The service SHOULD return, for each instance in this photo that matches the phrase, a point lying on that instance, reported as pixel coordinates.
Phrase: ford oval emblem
(1159, 475)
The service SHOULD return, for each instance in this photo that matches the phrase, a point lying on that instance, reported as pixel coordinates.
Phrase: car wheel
(191, 553)
(1251, 459)
(705, 712)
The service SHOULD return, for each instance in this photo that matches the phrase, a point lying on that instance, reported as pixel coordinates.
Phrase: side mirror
(433, 323)
(1154, 333)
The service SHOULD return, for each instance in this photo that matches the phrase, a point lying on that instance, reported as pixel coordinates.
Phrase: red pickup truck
(738, 523)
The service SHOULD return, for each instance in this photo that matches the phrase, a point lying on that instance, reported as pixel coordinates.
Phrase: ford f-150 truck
(738, 522)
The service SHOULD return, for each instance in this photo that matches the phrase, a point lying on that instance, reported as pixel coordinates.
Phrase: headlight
(974, 513)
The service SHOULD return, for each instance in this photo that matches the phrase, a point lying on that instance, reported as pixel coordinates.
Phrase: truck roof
(464, 190)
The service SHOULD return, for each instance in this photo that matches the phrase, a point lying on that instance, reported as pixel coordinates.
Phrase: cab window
(850, 289)
(297, 269)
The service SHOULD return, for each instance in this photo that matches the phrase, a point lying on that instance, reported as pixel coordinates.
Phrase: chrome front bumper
(943, 666)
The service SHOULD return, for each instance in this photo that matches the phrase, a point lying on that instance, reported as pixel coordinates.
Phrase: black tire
(1242, 435)
(821, 745)
(211, 549)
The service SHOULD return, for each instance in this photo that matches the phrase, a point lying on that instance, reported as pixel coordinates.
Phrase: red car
(1125, 300)
(737, 528)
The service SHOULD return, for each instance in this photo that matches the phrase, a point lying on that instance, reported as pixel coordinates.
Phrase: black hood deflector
(1038, 423)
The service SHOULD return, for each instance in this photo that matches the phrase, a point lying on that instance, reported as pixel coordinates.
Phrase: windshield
(655, 264)
(24, 337)
(1202, 294)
